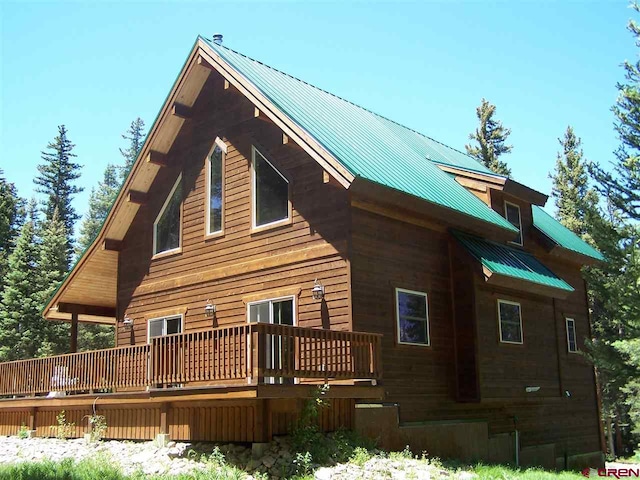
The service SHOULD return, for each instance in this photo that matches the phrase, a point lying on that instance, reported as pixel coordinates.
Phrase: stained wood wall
(315, 241)
(423, 380)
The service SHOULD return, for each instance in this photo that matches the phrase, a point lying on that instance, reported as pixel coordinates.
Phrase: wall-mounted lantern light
(209, 309)
(318, 290)
(127, 322)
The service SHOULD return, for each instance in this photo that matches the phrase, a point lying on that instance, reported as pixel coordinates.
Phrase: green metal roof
(561, 235)
(511, 262)
(368, 145)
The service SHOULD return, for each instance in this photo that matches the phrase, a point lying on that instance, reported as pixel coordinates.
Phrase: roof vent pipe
(217, 38)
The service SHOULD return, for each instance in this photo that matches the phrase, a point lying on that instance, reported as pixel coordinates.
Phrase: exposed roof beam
(86, 309)
(139, 198)
(181, 111)
(203, 63)
(112, 245)
(157, 158)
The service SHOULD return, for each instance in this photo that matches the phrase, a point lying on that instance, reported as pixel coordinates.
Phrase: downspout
(517, 440)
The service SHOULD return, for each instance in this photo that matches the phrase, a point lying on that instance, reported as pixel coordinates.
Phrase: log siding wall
(247, 262)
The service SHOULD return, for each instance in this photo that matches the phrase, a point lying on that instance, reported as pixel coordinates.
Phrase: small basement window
(572, 345)
(215, 187)
(510, 321)
(512, 214)
(412, 317)
(270, 193)
(159, 327)
(168, 225)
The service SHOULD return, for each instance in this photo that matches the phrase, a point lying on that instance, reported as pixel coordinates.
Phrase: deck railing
(254, 353)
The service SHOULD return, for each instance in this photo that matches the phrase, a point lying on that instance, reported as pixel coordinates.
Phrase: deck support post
(164, 418)
(263, 422)
(73, 343)
(31, 421)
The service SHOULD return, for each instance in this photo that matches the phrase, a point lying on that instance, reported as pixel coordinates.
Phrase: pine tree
(575, 200)
(52, 266)
(100, 202)
(490, 137)
(11, 213)
(55, 179)
(623, 187)
(135, 135)
(20, 316)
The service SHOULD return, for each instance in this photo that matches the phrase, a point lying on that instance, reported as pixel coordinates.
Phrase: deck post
(73, 343)
(164, 418)
(32, 419)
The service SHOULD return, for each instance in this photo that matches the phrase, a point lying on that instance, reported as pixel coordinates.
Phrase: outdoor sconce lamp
(127, 322)
(209, 309)
(318, 290)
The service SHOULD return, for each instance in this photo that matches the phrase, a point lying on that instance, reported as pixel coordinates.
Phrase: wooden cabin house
(271, 237)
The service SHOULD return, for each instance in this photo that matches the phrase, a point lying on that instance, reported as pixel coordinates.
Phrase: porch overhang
(510, 267)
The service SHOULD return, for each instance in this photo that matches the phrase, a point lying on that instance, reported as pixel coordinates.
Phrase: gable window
(412, 317)
(509, 321)
(270, 193)
(168, 225)
(159, 327)
(512, 214)
(215, 187)
(572, 345)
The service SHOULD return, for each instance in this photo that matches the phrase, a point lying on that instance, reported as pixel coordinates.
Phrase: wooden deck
(237, 355)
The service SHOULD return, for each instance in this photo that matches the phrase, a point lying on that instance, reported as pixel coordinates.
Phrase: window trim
(164, 317)
(397, 309)
(276, 223)
(275, 299)
(178, 249)
(506, 202)
(575, 336)
(509, 302)
(207, 198)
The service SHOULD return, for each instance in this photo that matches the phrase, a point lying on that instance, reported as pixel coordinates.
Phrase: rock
(171, 444)
(253, 465)
(323, 474)
(174, 452)
(268, 461)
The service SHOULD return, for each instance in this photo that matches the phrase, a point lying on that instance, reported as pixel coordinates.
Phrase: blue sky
(95, 67)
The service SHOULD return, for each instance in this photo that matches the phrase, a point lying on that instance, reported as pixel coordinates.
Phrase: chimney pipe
(217, 38)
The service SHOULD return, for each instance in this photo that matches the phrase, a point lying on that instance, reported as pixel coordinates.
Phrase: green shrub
(360, 456)
(23, 432)
(63, 430)
(97, 427)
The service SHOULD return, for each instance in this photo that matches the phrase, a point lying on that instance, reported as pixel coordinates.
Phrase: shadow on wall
(467, 441)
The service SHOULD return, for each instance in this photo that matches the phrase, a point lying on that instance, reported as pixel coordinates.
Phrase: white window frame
(426, 298)
(164, 328)
(159, 216)
(207, 201)
(575, 336)
(508, 302)
(277, 299)
(275, 223)
(521, 243)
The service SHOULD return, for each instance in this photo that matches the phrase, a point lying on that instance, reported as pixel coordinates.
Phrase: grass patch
(501, 472)
(101, 469)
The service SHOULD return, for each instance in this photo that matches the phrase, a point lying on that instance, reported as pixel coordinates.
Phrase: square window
(412, 317)
(159, 327)
(510, 322)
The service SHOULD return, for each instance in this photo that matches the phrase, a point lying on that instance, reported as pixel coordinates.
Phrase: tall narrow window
(162, 326)
(412, 316)
(512, 214)
(509, 321)
(215, 182)
(270, 193)
(168, 224)
(572, 345)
